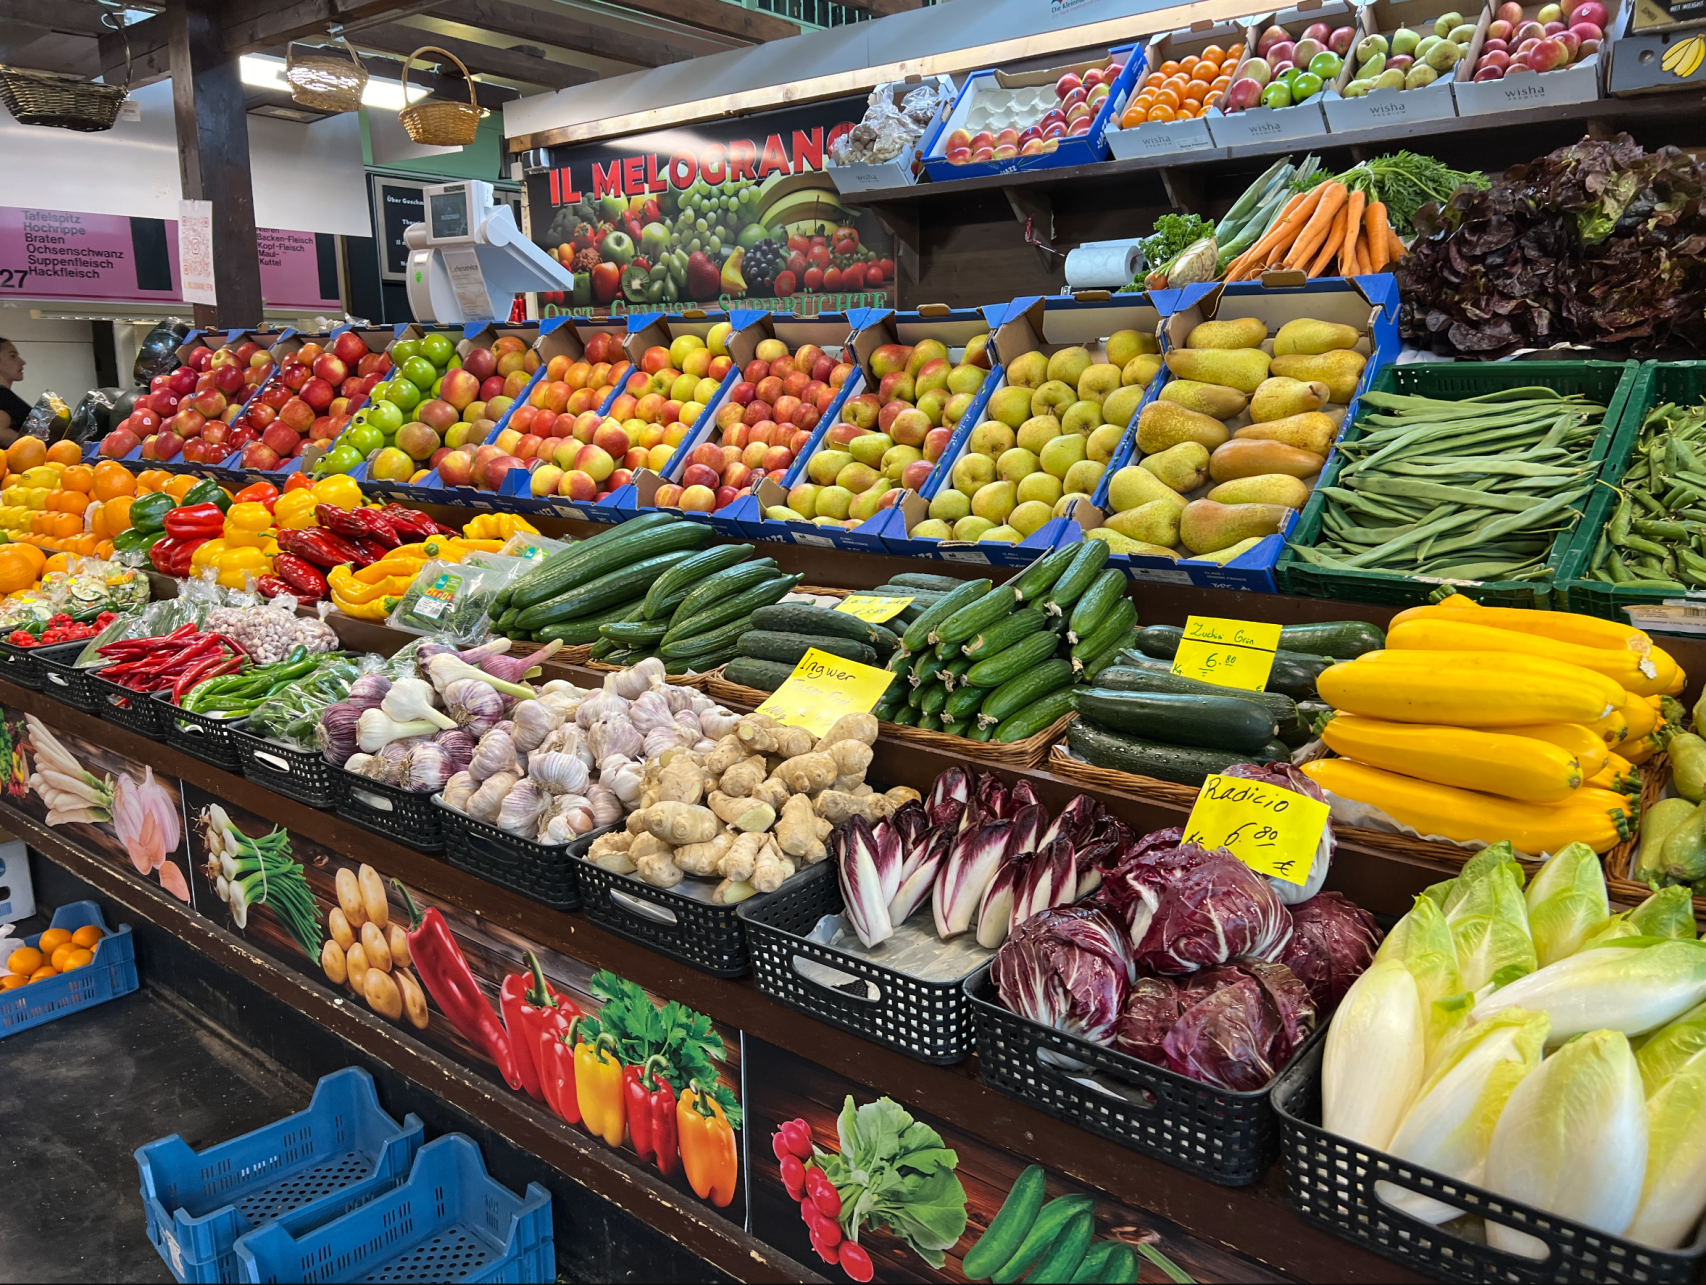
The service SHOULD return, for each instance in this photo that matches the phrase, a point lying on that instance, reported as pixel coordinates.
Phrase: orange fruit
(56, 562)
(1162, 113)
(1214, 96)
(1168, 98)
(1153, 80)
(1221, 82)
(113, 479)
(50, 941)
(60, 954)
(180, 485)
(1212, 53)
(1229, 67)
(65, 452)
(1196, 89)
(11, 981)
(26, 452)
(1134, 115)
(84, 545)
(77, 957)
(1168, 68)
(86, 936)
(116, 511)
(43, 973)
(1190, 109)
(1237, 50)
(24, 960)
(79, 477)
(1187, 62)
(104, 550)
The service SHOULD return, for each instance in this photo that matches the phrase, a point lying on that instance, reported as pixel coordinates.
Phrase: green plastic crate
(1656, 383)
(1609, 382)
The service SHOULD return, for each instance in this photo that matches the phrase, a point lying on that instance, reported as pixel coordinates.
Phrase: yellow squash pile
(1486, 723)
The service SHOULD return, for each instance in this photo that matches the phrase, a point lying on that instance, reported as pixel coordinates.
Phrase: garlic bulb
(614, 736)
(521, 808)
(413, 698)
(458, 748)
(681, 698)
(362, 765)
(426, 768)
(393, 759)
(606, 807)
(623, 777)
(494, 754)
(688, 722)
(563, 688)
(648, 711)
(600, 705)
(534, 721)
(660, 739)
(704, 746)
(717, 722)
(558, 773)
(376, 729)
(335, 733)
(458, 790)
(473, 706)
(368, 691)
(484, 803)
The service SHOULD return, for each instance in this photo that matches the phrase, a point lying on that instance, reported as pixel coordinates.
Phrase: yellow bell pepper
(205, 554)
(339, 490)
(235, 565)
(497, 526)
(248, 516)
(294, 510)
(446, 548)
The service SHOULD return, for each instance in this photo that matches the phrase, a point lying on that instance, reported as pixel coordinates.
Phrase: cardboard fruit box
(1166, 137)
(1580, 82)
(1383, 107)
(1257, 124)
(904, 168)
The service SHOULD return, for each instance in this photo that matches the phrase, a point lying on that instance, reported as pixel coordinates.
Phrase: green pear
(1134, 486)
(1103, 441)
(1038, 431)
(1026, 518)
(931, 529)
(993, 501)
(1404, 41)
(971, 472)
(1045, 487)
(825, 465)
(966, 379)
(1391, 78)
(1183, 467)
(1028, 370)
(1206, 525)
(1118, 543)
(1279, 396)
(1308, 336)
(1000, 535)
(1097, 382)
(1080, 418)
(1015, 465)
(1156, 522)
(1123, 345)
(1062, 453)
(868, 448)
(896, 458)
(803, 499)
(972, 527)
(950, 505)
(1069, 363)
(1010, 405)
(1083, 477)
(1263, 488)
(956, 408)
(1121, 404)
(834, 502)
(1141, 369)
(867, 503)
(782, 513)
(1052, 397)
(991, 438)
(1340, 370)
(857, 478)
(1215, 400)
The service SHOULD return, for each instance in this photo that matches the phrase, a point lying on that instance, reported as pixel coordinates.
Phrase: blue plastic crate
(113, 973)
(297, 1173)
(449, 1222)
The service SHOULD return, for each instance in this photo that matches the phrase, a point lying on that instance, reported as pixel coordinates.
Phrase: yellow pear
(1051, 397)
(1038, 431)
(1242, 332)
(1339, 369)
(1027, 371)
(971, 528)
(1263, 488)
(1306, 335)
(1311, 431)
(1104, 440)
(1118, 543)
(1183, 467)
(931, 529)
(1097, 382)
(1134, 486)
(1081, 418)
(1163, 424)
(1062, 453)
(994, 501)
(1015, 465)
(1038, 486)
(1223, 556)
(1027, 517)
(1154, 523)
(1123, 345)
(1240, 368)
(1205, 399)
(1011, 405)
(1069, 363)
(1206, 526)
(1278, 397)
(950, 505)
(1082, 478)
(1140, 369)
(1121, 405)
(1000, 535)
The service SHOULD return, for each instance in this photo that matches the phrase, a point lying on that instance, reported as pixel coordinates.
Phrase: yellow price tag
(824, 687)
(1227, 653)
(1271, 830)
(872, 608)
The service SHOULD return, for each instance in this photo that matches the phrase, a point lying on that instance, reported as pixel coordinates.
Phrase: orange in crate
(26, 452)
(65, 452)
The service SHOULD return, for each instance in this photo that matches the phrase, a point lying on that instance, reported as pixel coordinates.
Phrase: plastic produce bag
(450, 598)
(48, 418)
(158, 354)
(89, 420)
(532, 546)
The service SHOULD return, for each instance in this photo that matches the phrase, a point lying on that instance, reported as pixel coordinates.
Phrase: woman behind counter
(13, 409)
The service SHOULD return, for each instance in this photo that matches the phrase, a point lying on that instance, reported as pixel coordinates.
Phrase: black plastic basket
(1229, 1138)
(62, 680)
(542, 872)
(400, 815)
(133, 711)
(930, 1021)
(21, 665)
(697, 933)
(1330, 1180)
(296, 773)
(199, 735)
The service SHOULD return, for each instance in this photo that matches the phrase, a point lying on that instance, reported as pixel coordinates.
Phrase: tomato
(846, 249)
(799, 241)
(832, 279)
(847, 234)
(818, 256)
(785, 284)
(886, 267)
(797, 262)
(606, 282)
(813, 280)
(852, 277)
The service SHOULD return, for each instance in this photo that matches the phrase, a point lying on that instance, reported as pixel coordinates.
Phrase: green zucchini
(1038, 578)
(765, 675)
(574, 633)
(740, 604)
(1079, 575)
(1036, 717)
(672, 586)
(918, 632)
(964, 702)
(1213, 722)
(1159, 641)
(1028, 688)
(723, 638)
(1110, 629)
(614, 586)
(905, 716)
(723, 584)
(1273, 752)
(1098, 600)
(935, 697)
(790, 648)
(635, 632)
(1125, 678)
(1015, 660)
(973, 618)
(929, 722)
(1182, 765)
(923, 580)
(635, 541)
(1294, 674)
(1340, 639)
(802, 618)
(1004, 633)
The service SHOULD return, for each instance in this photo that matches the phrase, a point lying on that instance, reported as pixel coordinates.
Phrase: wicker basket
(326, 82)
(65, 102)
(438, 122)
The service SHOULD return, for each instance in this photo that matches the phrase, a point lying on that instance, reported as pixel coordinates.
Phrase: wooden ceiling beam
(487, 59)
(579, 33)
(67, 17)
(749, 25)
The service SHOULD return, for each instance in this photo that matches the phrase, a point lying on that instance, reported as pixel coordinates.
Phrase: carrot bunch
(1327, 231)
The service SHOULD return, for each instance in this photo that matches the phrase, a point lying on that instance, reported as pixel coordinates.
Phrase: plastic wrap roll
(1106, 264)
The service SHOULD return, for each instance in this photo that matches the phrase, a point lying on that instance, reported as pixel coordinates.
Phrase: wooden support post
(213, 156)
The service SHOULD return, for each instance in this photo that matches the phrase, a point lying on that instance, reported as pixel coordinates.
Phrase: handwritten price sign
(824, 687)
(1273, 831)
(872, 608)
(1227, 653)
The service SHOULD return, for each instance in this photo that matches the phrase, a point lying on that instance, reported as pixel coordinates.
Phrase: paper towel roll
(1107, 265)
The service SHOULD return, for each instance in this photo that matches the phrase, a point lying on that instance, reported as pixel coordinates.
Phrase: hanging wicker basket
(438, 122)
(64, 102)
(324, 81)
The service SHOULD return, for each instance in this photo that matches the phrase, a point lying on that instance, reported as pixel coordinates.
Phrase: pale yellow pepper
(236, 565)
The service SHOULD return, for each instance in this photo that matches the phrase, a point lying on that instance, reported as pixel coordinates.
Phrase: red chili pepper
(201, 671)
(448, 979)
(651, 1114)
(368, 550)
(322, 548)
(555, 1052)
(302, 576)
(367, 524)
(530, 1007)
(272, 586)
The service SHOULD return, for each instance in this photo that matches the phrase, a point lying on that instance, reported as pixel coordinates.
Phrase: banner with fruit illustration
(731, 214)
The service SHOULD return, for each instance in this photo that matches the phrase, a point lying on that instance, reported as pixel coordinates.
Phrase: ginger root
(730, 891)
(679, 823)
(772, 871)
(743, 777)
(704, 858)
(742, 813)
(726, 754)
(839, 807)
(658, 870)
(611, 852)
(648, 845)
(902, 794)
(773, 792)
(681, 781)
(852, 758)
(762, 734)
(850, 727)
(801, 832)
(738, 862)
(807, 773)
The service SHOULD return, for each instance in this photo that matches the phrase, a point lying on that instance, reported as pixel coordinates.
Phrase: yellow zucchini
(1466, 697)
(1613, 728)
(1561, 626)
(1438, 634)
(1638, 752)
(1466, 815)
(1514, 767)
(1671, 677)
(1538, 667)
(1592, 796)
(1589, 750)
(1641, 717)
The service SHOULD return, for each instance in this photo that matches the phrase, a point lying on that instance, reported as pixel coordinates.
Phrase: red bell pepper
(651, 1114)
(264, 493)
(297, 482)
(555, 1051)
(448, 979)
(171, 556)
(530, 1007)
(195, 522)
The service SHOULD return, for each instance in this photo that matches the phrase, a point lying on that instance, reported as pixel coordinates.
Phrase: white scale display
(469, 260)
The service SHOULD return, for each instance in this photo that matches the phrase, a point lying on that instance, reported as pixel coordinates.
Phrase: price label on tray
(824, 687)
(1227, 653)
(1273, 831)
(872, 608)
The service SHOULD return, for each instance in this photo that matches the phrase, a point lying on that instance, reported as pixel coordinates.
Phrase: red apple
(281, 439)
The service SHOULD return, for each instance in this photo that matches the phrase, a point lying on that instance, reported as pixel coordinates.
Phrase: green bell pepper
(206, 491)
(148, 514)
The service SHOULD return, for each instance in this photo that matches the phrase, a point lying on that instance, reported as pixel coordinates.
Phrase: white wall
(58, 355)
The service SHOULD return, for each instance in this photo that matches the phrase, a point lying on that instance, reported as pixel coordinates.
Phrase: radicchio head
(1068, 969)
(1332, 942)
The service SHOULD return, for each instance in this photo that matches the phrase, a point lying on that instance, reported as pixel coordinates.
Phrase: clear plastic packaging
(451, 598)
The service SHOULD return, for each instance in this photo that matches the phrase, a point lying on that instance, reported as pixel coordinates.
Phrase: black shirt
(16, 407)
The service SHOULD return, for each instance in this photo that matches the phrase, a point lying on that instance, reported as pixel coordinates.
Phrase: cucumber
(935, 697)
(1099, 599)
(1004, 633)
(1110, 1263)
(951, 672)
(1213, 722)
(922, 580)
(1028, 688)
(1340, 639)
(594, 595)
(905, 716)
(1182, 765)
(964, 702)
(765, 675)
(1124, 678)
(703, 664)
(602, 648)
(1079, 575)
(1110, 629)
(1044, 1229)
(926, 667)
(574, 633)
(1014, 661)
(799, 618)
(672, 586)
(1067, 1252)
(929, 722)
(737, 605)
(635, 632)
(915, 697)
(947, 649)
(971, 619)
(901, 662)
(633, 542)
(1036, 717)
(723, 584)
(725, 638)
(627, 656)
(1101, 660)
(506, 621)
(1007, 1229)
(1038, 578)
(918, 632)
(980, 731)
(788, 649)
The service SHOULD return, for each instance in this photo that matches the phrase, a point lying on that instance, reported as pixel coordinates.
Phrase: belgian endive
(1373, 1062)
(1422, 941)
(1669, 912)
(1566, 902)
(1450, 1126)
(1489, 924)
(1675, 1047)
(1673, 1196)
(1633, 984)
(1572, 1140)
